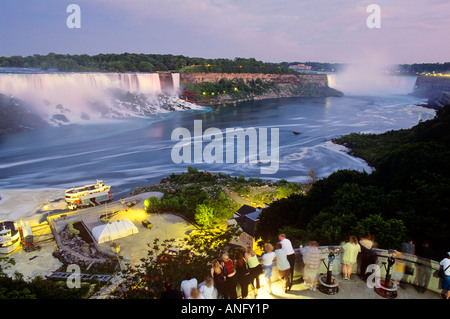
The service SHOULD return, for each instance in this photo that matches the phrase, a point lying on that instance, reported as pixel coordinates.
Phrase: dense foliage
(405, 197)
(171, 260)
(195, 195)
(135, 62)
(204, 197)
(232, 89)
(419, 68)
(142, 63)
(16, 287)
(226, 90)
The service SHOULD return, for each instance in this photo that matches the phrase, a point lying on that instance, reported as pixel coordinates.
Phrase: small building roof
(249, 221)
(245, 209)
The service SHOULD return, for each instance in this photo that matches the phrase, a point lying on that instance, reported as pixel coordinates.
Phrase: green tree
(117, 66)
(152, 205)
(67, 65)
(145, 66)
(204, 215)
(388, 234)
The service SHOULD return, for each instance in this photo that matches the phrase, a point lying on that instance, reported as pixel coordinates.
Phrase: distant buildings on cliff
(300, 67)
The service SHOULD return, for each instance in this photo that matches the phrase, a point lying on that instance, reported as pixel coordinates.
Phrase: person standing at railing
(243, 274)
(423, 266)
(218, 276)
(368, 257)
(349, 257)
(409, 247)
(445, 264)
(283, 266)
(230, 277)
(267, 265)
(312, 257)
(287, 247)
(255, 269)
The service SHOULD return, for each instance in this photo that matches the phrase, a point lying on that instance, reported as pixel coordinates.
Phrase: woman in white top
(207, 288)
(267, 262)
(349, 257)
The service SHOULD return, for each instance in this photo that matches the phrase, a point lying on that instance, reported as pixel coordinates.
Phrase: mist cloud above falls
(371, 79)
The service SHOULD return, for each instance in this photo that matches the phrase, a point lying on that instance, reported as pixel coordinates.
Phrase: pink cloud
(292, 30)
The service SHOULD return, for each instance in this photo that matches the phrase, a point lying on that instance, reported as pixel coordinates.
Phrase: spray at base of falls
(371, 81)
(62, 98)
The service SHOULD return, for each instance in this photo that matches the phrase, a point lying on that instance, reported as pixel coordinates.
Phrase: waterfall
(47, 84)
(176, 81)
(367, 83)
(331, 80)
(71, 97)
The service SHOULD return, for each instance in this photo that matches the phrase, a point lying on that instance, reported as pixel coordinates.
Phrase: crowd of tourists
(232, 276)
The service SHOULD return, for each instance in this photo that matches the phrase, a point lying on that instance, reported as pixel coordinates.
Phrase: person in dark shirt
(170, 292)
(231, 278)
(423, 267)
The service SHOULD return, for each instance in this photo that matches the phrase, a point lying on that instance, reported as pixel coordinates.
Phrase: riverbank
(284, 92)
(436, 89)
(31, 205)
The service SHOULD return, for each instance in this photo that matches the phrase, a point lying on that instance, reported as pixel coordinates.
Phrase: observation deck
(356, 287)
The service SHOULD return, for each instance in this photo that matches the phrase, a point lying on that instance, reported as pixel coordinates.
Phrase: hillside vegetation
(132, 62)
(406, 196)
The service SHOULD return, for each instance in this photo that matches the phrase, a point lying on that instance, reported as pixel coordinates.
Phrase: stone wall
(420, 267)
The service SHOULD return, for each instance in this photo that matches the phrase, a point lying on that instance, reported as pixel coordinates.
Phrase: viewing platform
(357, 288)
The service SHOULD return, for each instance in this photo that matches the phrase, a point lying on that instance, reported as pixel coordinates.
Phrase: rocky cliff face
(16, 117)
(435, 88)
(319, 79)
(287, 85)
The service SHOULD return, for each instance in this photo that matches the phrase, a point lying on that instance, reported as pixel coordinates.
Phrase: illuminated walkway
(348, 289)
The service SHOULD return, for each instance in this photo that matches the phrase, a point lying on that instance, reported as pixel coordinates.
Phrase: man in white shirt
(187, 285)
(283, 266)
(287, 247)
(445, 264)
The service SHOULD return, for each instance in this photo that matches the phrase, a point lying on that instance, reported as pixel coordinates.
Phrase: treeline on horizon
(411, 69)
(133, 62)
(405, 197)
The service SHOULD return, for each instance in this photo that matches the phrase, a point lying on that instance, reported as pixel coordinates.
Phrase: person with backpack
(230, 277)
(445, 266)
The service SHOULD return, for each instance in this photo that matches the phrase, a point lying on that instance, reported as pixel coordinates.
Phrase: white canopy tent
(114, 230)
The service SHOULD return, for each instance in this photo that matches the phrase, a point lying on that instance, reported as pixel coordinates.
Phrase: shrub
(72, 229)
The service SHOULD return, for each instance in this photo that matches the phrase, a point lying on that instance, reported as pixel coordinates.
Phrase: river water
(132, 152)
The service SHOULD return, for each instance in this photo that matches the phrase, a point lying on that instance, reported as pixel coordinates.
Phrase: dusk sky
(411, 31)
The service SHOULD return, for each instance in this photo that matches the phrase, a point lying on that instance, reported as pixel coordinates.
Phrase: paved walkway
(348, 289)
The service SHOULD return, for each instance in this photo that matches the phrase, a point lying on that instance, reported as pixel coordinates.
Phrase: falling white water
(176, 81)
(73, 97)
(47, 84)
(364, 80)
